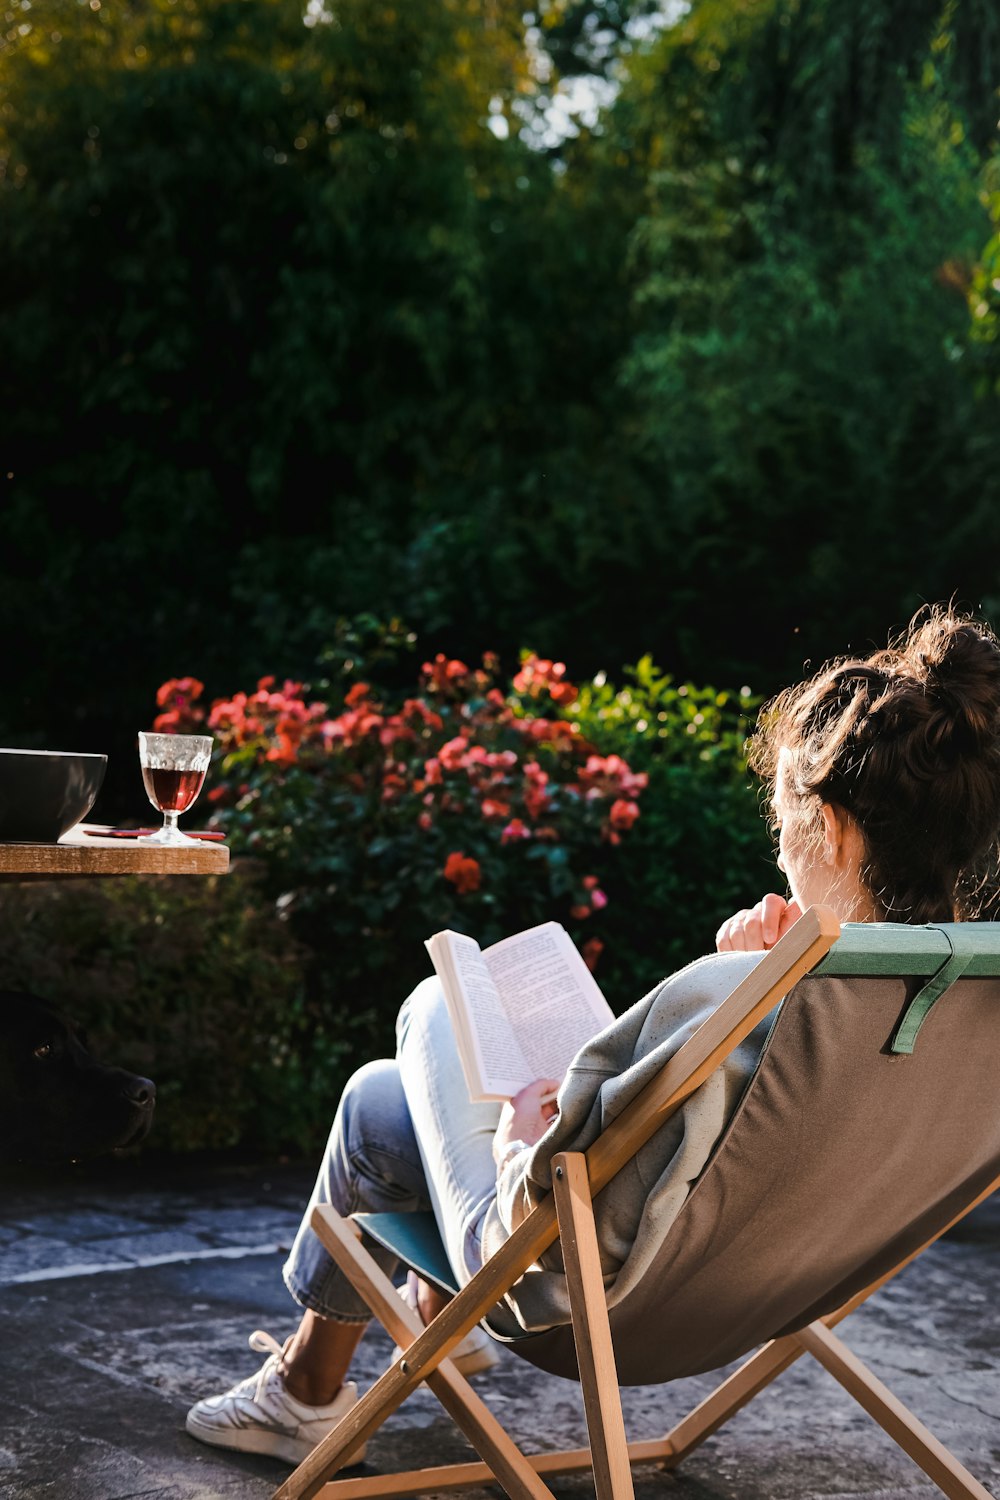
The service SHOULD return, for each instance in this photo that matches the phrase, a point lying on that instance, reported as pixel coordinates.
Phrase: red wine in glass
(171, 790)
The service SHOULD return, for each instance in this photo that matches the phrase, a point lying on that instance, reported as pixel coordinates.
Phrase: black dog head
(57, 1103)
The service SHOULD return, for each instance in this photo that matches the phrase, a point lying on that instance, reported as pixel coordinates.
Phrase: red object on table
(135, 833)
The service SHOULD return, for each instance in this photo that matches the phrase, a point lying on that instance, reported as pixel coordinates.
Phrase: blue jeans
(406, 1136)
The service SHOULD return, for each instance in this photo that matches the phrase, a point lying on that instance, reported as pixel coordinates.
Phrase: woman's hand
(760, 927)
(527, 1116)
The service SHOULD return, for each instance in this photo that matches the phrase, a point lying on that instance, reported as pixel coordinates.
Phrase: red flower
(463, 873)
(442, 674)
(612, 774)
(179, 691)
(623, 814)
(285, 752)
(515, 830)
(578, 913)
(592, 950)
(493, 808)
(450, 755)
(537, 674)
(416, 708)
(357, 694)
(536, 800)
(177, 697)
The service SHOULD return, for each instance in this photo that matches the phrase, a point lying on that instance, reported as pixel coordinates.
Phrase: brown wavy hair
(907, 741)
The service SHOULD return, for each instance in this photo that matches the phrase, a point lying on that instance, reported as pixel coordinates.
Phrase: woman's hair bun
(957, 662)
(907, 742)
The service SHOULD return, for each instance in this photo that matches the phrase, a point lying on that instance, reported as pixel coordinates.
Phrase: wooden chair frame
(568, 1215)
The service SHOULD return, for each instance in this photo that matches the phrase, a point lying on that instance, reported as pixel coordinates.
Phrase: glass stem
(170, 820)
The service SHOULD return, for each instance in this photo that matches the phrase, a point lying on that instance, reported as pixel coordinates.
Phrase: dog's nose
(141, 1091)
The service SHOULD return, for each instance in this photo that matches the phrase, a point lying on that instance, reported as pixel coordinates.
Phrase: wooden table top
(81, 853)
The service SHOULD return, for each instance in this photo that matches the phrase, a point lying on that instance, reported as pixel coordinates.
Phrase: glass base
(170, 837)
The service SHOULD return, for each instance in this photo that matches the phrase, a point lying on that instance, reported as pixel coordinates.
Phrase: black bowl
(43, 793)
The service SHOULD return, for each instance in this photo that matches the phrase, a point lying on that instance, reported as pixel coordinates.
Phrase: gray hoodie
(636, 1209)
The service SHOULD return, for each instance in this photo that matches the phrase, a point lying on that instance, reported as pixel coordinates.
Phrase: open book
(521, 1009)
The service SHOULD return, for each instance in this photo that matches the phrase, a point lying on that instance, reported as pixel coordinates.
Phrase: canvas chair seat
(843, 1159)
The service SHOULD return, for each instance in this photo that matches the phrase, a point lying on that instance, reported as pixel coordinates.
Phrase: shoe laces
(265, 1343)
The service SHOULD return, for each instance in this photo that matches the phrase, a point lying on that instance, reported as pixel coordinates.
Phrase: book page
(492, 1060)
(550, 999)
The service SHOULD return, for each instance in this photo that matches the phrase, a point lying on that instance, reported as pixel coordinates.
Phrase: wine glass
(173, 770)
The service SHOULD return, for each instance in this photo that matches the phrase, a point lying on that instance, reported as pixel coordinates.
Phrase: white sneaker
(471, 1355)
(260, 1416)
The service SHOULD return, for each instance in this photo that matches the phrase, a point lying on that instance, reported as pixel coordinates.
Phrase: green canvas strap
(924, 1001)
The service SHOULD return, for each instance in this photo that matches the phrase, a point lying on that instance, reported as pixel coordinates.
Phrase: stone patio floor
(126, 1293)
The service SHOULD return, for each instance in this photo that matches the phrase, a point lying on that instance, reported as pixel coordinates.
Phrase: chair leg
(454, 1477)
(591, 1329)
(506, 1462)
(727, 1399)
(890, 1413)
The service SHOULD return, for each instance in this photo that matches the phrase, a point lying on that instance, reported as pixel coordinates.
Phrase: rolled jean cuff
(315, 1280)
(306, 1297)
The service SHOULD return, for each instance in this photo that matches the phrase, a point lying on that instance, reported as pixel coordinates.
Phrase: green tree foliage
(248, 315)
(801, 373)
(298, 323)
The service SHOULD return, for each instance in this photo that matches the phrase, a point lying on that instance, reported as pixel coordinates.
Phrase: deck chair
(869, 1128)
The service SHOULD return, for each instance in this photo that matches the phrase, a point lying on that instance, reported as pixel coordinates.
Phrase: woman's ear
(831, 833)
(838, 830)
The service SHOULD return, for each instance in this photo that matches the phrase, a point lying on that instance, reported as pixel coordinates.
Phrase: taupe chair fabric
(843, 1160)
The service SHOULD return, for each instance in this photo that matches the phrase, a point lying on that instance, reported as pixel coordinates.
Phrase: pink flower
(515, 830)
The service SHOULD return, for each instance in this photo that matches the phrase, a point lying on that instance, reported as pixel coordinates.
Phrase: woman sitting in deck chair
(884, 775)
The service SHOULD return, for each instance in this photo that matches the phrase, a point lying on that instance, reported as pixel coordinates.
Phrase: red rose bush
(464, 805)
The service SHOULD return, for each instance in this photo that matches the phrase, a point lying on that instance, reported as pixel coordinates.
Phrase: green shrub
(198, 985)
(701, 849)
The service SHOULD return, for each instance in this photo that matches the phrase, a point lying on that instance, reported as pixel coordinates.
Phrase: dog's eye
(43, 1051)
